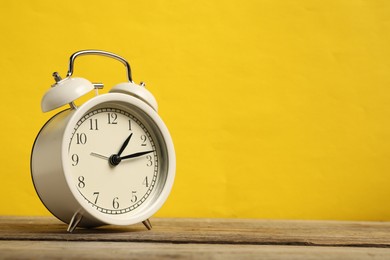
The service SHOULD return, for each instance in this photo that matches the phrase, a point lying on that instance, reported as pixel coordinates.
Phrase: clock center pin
(114, 159)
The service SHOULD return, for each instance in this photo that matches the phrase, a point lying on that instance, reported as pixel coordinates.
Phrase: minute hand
(135, 155)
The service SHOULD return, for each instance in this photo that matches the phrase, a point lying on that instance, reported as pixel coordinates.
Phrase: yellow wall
(278, 109)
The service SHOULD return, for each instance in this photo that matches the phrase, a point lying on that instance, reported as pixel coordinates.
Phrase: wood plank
(207, 231)
(141, 250)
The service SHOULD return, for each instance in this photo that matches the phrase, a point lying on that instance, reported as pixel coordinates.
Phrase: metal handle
(100, 53)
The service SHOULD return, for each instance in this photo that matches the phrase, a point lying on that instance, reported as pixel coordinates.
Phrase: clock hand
(115, 159)
(135, 155)
(124, 145)
(99, 156)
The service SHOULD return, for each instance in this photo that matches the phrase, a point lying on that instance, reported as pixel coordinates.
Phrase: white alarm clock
(110, 160)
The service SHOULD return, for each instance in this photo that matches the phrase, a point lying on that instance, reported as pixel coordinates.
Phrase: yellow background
(278, 109)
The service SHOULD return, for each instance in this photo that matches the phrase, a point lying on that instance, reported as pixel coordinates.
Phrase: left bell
(65, 91)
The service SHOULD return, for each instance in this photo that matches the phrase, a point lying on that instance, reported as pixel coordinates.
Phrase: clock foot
(147, 224)
(77, 217)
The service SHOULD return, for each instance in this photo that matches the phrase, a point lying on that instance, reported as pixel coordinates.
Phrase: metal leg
(77, 217)
(147, 224)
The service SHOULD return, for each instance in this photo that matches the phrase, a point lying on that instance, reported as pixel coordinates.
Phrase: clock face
(114, 160)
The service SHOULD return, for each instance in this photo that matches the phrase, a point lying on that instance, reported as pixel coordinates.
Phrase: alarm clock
(108, 161)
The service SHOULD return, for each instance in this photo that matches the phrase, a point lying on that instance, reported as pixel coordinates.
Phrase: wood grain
(156, 251)
(211, 231)
(37, 237)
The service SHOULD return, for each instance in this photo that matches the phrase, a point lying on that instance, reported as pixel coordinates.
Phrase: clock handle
(100, 53)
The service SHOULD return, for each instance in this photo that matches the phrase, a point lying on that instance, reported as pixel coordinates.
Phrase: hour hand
(124, 145)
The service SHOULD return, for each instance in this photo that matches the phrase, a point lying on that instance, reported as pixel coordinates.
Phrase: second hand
(99, 156)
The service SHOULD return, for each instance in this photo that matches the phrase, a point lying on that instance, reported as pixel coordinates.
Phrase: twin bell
(69, 89)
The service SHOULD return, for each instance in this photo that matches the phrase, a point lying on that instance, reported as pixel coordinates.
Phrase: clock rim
(129, 101)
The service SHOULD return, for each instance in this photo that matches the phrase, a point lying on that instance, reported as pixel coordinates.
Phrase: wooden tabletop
(46, 237)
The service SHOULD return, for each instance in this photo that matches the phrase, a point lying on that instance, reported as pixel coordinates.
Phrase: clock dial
(114, 160)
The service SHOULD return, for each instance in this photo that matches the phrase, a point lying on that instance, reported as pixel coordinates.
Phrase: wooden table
(46, 237)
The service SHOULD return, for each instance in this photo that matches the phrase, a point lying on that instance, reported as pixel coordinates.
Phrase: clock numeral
(93, 124)
(112, 117)
(97, 196)
(134, 197)
(146, 182)
(115, 203)
(81, 182)
(150, 162)
(75, 159)
(129, 124)
(143, 138)
(81, 138)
